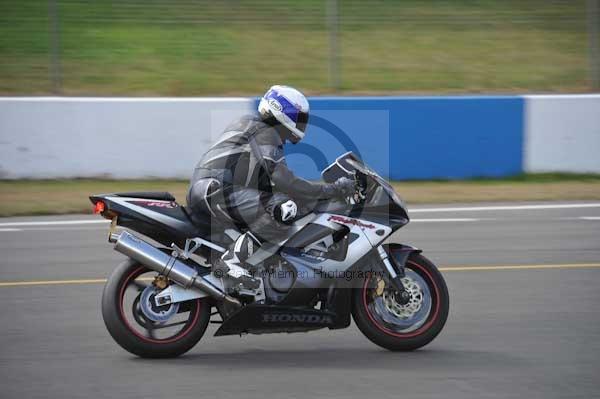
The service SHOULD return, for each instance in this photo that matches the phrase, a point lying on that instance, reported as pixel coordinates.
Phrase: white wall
(110, 137)
(562, 133)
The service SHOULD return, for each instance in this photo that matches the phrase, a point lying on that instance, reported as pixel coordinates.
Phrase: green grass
(45, 197)
(179, 47)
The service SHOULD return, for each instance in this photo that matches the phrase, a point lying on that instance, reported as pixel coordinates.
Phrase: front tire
(126, 323)
(382, 323)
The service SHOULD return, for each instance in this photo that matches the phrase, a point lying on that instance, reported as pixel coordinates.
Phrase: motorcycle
(333, 265)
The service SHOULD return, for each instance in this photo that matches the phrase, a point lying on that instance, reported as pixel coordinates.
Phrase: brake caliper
(380, 287)
(160, 282)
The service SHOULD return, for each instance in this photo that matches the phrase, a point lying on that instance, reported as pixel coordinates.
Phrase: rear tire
(122, 331)
(382, 334)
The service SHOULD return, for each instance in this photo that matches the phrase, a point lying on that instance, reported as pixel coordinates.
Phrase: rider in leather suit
(244, 179)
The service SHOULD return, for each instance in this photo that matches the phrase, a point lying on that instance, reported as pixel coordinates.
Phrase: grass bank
(46, 197)
(185, 48)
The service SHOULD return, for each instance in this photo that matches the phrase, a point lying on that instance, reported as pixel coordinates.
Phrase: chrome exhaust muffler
(167, 265)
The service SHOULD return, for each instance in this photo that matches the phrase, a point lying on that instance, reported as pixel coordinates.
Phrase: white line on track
(53, 223)
(34, 225)
(444, 220)
(58, 229)
(505, 208)
(411, 211)
(73, 227)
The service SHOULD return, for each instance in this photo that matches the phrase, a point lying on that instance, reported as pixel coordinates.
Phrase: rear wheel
(403, 327)
(140, 326)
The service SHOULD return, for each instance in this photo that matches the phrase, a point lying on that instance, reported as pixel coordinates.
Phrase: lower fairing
(266, 319)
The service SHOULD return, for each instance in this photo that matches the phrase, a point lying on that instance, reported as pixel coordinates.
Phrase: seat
(153, 195)
(165, 222)
(175, 218)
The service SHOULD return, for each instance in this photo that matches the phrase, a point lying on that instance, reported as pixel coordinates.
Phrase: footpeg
(220, 269)
(249, 283)
(237, 274)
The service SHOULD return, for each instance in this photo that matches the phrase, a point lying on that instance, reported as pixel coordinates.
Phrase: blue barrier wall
(415, 137)
(401, 137)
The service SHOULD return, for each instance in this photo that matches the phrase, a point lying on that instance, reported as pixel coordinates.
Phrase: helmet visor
(302, 121)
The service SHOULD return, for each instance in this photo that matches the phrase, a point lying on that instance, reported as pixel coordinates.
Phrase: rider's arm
(285, 181)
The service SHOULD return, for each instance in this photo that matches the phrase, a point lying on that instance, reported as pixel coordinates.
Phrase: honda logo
(296, 318)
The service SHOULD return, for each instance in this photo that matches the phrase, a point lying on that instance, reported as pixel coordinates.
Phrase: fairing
(382, 205)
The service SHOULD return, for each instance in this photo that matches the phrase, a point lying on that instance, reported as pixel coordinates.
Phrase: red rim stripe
(420, 329)
(154, 341)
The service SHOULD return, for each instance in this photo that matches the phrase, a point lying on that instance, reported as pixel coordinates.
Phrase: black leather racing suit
(231, 184)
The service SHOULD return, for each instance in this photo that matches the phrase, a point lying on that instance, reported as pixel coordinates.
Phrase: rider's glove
(341, 188)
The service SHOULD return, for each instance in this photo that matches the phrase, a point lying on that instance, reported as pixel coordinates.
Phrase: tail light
(99, 207)
(102, 207)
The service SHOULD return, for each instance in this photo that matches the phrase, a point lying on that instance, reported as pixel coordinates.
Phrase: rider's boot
(232, 263)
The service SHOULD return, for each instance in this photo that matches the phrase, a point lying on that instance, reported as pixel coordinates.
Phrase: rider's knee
(285, 212)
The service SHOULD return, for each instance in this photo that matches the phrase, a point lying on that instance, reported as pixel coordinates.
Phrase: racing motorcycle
(333, 265)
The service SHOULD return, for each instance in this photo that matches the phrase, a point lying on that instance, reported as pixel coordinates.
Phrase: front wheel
(403, 327)
(140, 326)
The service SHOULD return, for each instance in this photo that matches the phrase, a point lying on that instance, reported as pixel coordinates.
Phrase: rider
(244, 179)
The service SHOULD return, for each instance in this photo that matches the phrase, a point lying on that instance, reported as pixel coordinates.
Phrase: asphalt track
(524, 322)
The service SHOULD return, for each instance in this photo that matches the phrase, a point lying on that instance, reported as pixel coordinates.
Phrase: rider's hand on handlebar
(344, 187)
(359, 195)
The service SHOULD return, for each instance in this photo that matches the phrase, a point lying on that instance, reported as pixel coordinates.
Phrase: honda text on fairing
(333, 264)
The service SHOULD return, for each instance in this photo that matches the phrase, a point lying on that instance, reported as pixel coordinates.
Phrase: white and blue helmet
(289, 107)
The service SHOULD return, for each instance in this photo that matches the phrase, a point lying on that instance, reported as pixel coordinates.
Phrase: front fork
(396, 273)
